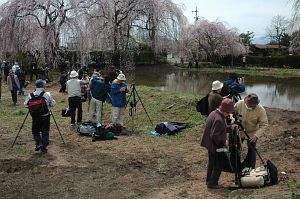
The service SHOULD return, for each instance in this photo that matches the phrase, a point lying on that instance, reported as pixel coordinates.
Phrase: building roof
(269, 46)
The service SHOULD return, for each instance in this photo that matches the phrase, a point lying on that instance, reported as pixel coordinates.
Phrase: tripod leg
(143, 107)
(19, 130)
(57, 128)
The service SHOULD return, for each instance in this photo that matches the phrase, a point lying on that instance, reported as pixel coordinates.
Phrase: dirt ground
(136, 165)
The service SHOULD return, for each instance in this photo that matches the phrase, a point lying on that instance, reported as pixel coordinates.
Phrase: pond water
(273, 92)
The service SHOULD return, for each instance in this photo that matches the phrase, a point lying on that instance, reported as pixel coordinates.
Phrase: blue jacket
(118, 97)
(235, 85)
(99, 89)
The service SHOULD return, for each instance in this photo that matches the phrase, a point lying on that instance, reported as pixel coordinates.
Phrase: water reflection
(273, 92)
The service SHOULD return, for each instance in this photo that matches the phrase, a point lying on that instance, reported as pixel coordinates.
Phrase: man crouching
(39, 103)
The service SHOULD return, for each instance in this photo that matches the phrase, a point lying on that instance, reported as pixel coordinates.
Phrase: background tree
(246, 38)
(277, 29)
(210, 40)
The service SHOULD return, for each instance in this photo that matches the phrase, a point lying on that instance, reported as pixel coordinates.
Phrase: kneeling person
(40, 115)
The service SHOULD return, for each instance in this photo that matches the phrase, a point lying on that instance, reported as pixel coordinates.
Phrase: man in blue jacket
(99, 90)
(118, 96)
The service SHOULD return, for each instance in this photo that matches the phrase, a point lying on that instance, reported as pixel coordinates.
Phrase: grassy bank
(160, 106)
(252, 71)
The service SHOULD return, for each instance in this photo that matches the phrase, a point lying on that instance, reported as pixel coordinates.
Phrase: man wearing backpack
(43, 101)
(214, 98)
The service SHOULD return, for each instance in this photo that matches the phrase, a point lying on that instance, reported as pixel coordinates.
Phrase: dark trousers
(213, 169)
(22, 83)
(75, 103)
(250, 159)
(40, 130)
(14, 95)
(62, 87)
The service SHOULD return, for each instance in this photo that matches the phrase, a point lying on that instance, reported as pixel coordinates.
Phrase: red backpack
(37, 105)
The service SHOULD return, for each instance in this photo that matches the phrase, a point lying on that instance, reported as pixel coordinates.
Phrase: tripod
(134, 94)
(23, 125)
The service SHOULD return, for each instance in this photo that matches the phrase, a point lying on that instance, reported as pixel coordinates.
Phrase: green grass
(252, 71)
(130, 194)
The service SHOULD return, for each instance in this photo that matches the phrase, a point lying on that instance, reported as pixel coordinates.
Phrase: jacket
(99, 89)
(235, 85)
(254, 121)
(215, 130)
(214, 101)
(10, 83)
(118, 97)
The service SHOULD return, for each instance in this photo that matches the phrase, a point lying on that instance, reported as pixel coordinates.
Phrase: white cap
(73, 74)
(216, 85)
(121, 76)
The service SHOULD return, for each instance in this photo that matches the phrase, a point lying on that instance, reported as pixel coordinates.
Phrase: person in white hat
(215, 98)
(118, 97)
(74, 96)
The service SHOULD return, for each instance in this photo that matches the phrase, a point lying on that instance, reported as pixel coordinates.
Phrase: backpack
(169, 128)
(37, 105)
(202, 105)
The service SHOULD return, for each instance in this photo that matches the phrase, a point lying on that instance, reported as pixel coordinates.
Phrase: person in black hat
(214, 137)
(255, 122)
(41, 124)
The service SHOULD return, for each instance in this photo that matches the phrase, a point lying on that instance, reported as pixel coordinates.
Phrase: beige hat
(216, 85)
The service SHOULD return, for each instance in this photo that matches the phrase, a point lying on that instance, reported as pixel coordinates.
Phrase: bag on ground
(202, 105)
(254, 177)
(37, 105)
(169, 128)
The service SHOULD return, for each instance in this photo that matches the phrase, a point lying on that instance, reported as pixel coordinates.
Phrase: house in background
(267, 49)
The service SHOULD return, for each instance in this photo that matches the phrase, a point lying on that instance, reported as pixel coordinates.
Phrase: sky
(245, 15)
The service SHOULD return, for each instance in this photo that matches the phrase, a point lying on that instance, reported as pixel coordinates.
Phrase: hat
(73, 74)
(216, 85)
(227, 106)
(40, 83)
(121, 76)
(252, 99)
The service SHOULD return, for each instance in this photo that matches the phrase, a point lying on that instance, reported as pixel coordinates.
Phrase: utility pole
(196, 11)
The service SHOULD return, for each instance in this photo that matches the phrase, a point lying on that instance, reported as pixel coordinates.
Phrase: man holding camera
(118, 97)
(255, 121)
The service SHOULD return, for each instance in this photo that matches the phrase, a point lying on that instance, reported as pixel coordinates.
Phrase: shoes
(215, 186)
(72, 124)
(37, 148)
(78, 123)
(44, 150)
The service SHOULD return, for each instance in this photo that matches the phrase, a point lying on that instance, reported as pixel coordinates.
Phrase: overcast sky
(252, 15)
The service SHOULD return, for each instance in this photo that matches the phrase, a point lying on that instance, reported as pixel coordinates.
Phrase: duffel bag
(254, 177)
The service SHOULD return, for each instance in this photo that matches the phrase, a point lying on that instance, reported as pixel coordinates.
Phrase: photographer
(99, 90)
(118, 97)
(41, 123)
(215, 137)
(254, 120)
(233, 86)
(74, 96)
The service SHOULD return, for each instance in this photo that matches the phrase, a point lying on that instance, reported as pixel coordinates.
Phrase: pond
(283, 93)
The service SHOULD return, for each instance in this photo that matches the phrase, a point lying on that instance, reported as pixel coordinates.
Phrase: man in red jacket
(214, 137)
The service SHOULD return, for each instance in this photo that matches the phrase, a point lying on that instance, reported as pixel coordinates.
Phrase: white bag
(255, 177)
